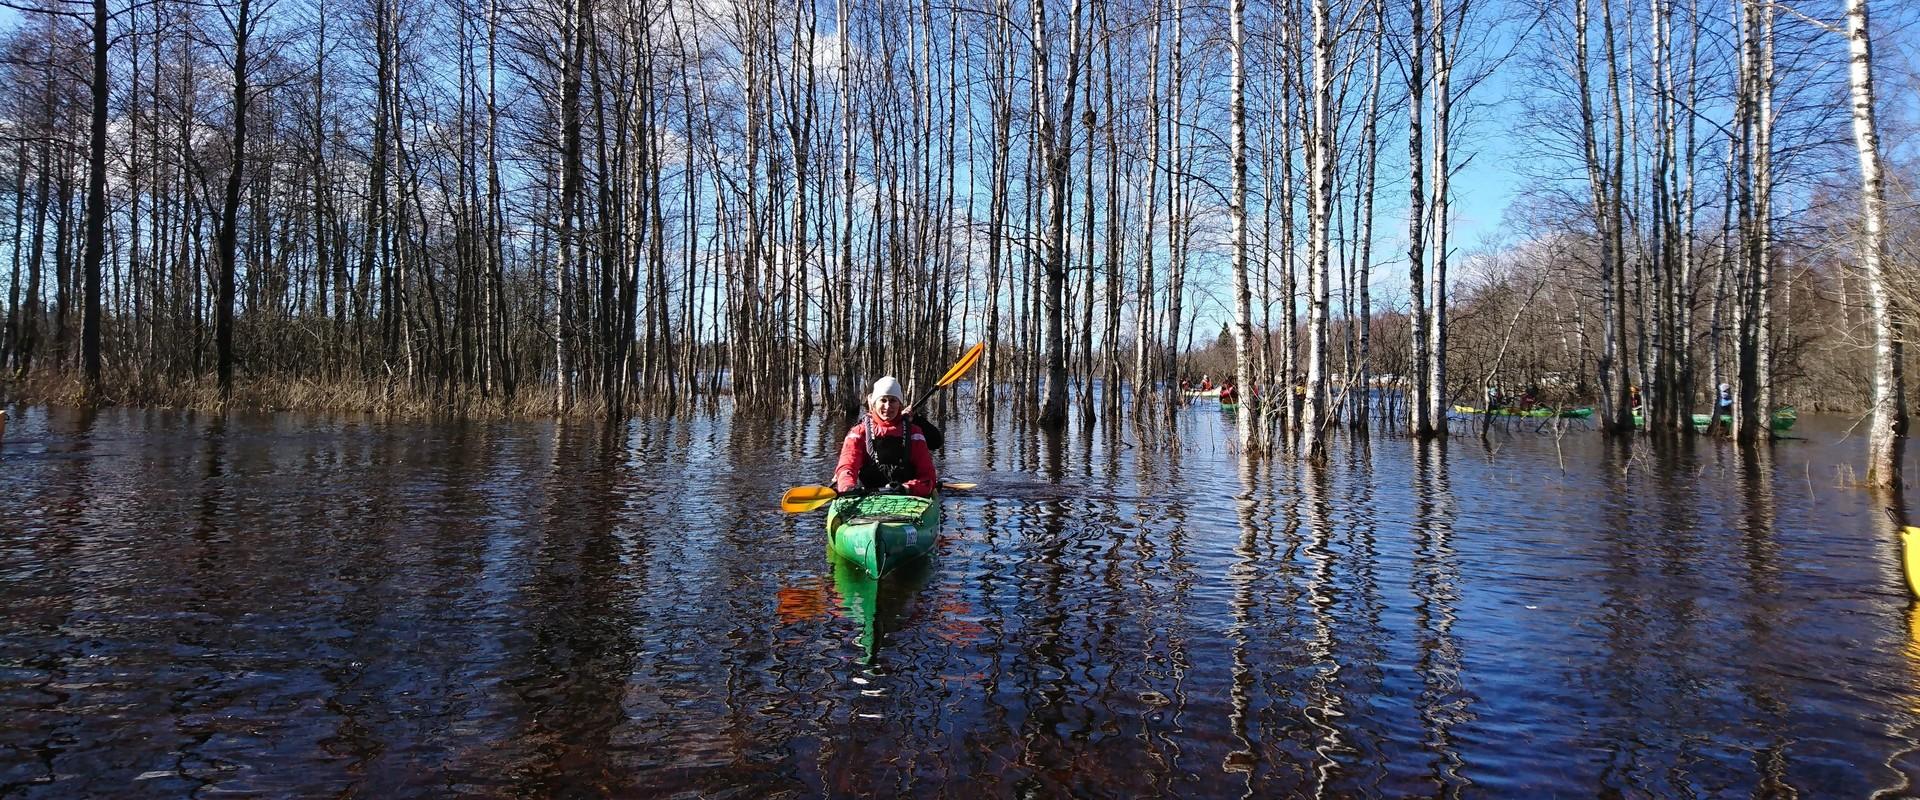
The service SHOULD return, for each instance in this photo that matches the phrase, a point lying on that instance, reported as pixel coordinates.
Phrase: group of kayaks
(1541, 412)
(1782, 420)
(1226, 406)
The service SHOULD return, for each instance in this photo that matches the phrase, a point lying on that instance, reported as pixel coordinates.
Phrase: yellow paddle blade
(1910, 557)
(960, 487)
(965, 363)
(801, 499)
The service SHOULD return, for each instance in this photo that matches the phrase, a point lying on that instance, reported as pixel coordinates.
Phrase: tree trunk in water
(1056, 135)
(1618, 378)
(96, 220)
(1442, 167)
(1176, 220)
(1418, 421)
(1370, 150)
(1244, 377)
(230, 209)
(1143, 315)
(1887, 429)
(574, 43)
(1597, 185)
(1313, 420)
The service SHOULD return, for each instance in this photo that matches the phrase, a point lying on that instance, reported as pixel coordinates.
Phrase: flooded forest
(1342, 397)
(594, 207)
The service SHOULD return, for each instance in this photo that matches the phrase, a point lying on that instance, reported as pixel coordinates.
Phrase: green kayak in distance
(1541, 412)
(880, 532)
(1782, 420)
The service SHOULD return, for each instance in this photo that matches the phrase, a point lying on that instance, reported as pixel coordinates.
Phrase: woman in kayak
(885, 451)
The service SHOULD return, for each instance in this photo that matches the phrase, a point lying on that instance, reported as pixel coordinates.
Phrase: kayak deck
(882, 531)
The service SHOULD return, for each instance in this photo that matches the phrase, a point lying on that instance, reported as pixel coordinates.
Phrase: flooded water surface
(288, 605)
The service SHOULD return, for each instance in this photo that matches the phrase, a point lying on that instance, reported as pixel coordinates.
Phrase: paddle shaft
(966, 362)
(928, 395)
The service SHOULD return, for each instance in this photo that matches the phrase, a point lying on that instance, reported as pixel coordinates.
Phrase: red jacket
(853, 456)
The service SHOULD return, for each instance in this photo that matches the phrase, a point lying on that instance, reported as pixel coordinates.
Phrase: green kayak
(1782, 420)
(880, 532)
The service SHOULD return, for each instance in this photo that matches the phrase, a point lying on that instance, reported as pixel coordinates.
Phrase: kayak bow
(882, 531)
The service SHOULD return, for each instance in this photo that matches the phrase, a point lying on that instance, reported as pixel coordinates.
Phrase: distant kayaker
(1725, 401)
(885, 451)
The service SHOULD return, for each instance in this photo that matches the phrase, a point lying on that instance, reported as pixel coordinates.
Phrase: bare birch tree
(1887, 426)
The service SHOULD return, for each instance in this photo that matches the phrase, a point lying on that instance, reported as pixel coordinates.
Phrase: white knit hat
(887, 387)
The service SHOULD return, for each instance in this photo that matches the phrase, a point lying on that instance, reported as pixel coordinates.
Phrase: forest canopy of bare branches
(601, 205)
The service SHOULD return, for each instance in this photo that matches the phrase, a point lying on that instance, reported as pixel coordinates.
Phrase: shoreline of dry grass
(293, 394)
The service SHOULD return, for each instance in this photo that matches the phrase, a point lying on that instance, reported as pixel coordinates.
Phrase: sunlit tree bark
(1887, 426)
(1244, 377)
(1419, 409)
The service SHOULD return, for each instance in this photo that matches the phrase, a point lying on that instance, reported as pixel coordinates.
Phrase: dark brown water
(289, 605)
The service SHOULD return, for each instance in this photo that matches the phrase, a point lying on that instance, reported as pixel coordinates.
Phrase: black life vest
(889, 458)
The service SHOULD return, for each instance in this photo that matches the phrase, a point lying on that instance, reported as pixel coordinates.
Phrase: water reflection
(1442, 702)
(879, 606)
(289, 605)
(1325, 601)
(1243, 576)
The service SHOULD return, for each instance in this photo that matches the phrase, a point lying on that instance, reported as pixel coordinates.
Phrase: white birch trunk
(1420, 424)
(1437, 297)
(1143, 315)
(1237, 210)
(1888, 425)
(1320, 177)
